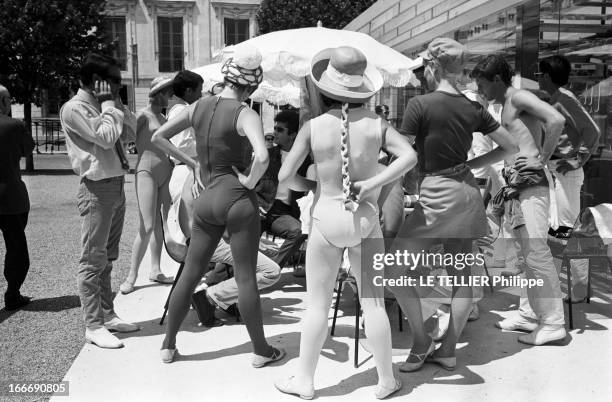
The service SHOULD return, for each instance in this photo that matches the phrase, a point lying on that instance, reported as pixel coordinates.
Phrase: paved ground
(45, 341)
(215, 362)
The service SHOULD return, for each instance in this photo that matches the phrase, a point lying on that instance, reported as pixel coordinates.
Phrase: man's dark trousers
(17, 259)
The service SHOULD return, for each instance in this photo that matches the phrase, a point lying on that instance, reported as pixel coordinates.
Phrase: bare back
(341, 227)
(364, 143)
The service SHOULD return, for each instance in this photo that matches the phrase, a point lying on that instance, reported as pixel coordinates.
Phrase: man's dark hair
(331, 103)
(185, 79)
(381, 109)
(95, 63)
(491, 66)
(558, 68)
(290, 118)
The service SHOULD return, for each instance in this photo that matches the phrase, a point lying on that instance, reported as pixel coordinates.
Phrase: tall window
(170, 37)
(115, 31)
(236, 31)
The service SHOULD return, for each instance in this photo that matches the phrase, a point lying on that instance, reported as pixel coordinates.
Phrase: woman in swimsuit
(227, 134)
(345, 143)
(153, 172)
(450, 208)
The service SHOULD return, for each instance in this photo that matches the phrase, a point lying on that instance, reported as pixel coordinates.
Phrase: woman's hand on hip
(198, 186)
(361, 189)
(244, 180)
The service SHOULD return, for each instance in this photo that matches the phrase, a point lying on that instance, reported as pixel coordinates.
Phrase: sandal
(384, 392)
(447, 363)
(163, 279)
(168, 355)
(409, 367)
(286, 386)
(260, 361)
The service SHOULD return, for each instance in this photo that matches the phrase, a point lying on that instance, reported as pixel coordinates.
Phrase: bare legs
(408, 296)
(409, 300)
(323, 261)
(243, 228)
(150, 200)
(461, 302)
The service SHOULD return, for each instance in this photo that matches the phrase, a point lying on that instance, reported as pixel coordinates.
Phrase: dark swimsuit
(225, 204)
(220, 147)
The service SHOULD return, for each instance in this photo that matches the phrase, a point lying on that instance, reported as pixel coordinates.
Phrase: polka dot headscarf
(244, 67)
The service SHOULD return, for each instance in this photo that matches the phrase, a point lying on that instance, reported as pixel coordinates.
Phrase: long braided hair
(349, 198)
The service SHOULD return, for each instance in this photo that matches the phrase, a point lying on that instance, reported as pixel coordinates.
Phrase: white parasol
(211, 74)
(279, 95)
(287, 55)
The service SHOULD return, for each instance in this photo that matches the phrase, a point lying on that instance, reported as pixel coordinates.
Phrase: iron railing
(48, 135)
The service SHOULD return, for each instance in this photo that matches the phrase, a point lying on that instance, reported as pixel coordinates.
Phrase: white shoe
(517, 323)
(118, 325)
(102, 338)
(544, 334)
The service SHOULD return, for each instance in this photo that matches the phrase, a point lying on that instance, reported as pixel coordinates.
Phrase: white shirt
(282, 191)
(185, 140)
(91, 133)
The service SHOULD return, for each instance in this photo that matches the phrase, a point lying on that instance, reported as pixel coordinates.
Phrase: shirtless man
(577, 143)
(537, 126)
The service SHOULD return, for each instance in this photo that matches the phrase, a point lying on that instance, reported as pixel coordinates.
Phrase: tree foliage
(43, 42)
(276, 15)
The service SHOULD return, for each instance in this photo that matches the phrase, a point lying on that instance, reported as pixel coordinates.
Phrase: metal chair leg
(178, 275)
(333, 328)
(569, 293)
(357, 311)
(400, 316)
(588, 298)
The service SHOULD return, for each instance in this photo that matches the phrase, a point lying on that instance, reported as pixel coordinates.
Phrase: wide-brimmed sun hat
(344, 74)
(244, 67)
(160, 83)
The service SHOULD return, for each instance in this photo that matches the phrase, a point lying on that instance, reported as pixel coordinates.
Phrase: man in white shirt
(96, 125)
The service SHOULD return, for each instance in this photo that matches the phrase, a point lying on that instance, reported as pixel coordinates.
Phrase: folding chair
(583, 243)
(343, 280)
(177, 252)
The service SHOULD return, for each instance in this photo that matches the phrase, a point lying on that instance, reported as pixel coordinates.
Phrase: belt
(447, 171)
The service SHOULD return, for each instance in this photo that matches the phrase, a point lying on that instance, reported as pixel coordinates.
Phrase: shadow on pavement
(52, 304)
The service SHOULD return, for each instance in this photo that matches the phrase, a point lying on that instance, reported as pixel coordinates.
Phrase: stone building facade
(164, 36)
